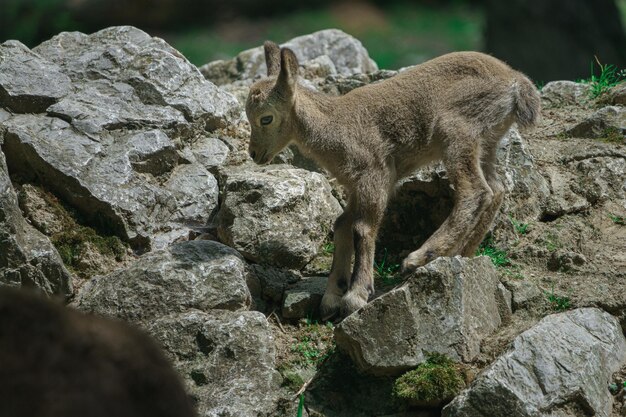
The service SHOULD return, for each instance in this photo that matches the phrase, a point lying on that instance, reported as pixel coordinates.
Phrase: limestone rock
(526, 188)
(199, 275)
(325, 52)
(617, 95)
(275, 214)
(610, 120)
(448, 306)
(226, 358)
(303, 298)
(274, 281)
(26, 256)
(115, 181)
(565, 361)
(28, 82)
(157, 73)
(558, 93)
(523, 293)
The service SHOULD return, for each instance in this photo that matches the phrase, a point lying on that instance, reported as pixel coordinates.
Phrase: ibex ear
(272, 58)
(288, 71)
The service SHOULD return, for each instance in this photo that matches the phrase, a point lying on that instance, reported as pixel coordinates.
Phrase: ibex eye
(266, 120)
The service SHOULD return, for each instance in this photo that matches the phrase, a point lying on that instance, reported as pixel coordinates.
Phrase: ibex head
(270, 105)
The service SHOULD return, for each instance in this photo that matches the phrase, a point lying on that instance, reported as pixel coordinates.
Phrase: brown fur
(57, 362)
(454, 108)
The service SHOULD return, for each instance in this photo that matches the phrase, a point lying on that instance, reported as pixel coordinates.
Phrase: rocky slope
(126, 188)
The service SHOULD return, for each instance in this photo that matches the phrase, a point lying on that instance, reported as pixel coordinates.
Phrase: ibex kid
(454, 108)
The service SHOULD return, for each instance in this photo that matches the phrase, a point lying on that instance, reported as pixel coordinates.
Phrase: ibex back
(454, 108)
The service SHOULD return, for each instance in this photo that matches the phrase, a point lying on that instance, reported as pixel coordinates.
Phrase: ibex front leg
(339, 279)
(370, 207)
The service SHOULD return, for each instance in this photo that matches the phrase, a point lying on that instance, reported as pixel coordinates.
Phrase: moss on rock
(432, 383)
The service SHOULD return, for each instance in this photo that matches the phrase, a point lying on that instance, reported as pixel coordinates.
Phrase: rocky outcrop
(321, 54)
(563, 363)
(449, 306)
(607, 121)
(127, 107)
(302, 300)
(276, 215)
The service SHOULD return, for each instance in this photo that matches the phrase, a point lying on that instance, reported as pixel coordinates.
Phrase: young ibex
(454, 108)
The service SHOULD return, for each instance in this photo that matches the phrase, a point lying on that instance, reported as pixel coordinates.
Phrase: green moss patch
(433, 382)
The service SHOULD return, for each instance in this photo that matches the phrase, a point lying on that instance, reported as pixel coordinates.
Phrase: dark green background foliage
(547, 39)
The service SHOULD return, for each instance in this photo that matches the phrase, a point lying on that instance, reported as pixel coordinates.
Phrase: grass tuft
(314, 343)
(498, 257)
(618, 219)
(558, 303)
(387, 272)
(608, 78)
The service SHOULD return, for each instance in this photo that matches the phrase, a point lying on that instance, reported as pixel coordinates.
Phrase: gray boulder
(563, 363)
(276, 214)
(226, 358)
(448, 306)
(26, 256)
(302, 300)
(559, 93)
(320, 54)
(28, 82)
(201, 275)
(607, 121)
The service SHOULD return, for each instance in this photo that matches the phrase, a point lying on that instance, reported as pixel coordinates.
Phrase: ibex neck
(317, 124)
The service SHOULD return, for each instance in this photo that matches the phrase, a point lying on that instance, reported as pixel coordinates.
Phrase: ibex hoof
(352, 301)
(330, 306)
(416, 259)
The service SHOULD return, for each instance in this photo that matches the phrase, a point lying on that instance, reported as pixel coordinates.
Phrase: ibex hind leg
(473, 196)
(488, 216)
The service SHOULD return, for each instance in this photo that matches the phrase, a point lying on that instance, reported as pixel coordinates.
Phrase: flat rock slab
(27, 258)
(563, 363)
(28, 82)
(321, 53)
(449, 306)
(226, 358)
(303, 298)
(276, 215)
(199, 275)
(607, 121)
